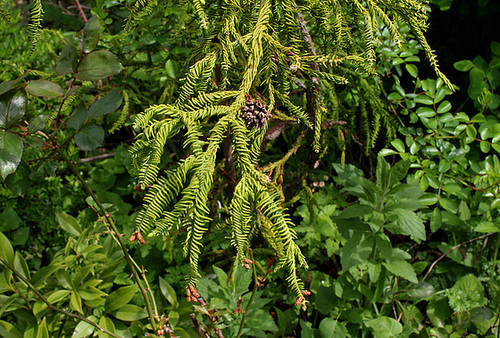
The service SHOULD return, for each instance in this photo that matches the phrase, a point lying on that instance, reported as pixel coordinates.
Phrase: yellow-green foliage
(263, 50)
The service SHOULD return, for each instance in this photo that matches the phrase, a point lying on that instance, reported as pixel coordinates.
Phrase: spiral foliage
(261, 51)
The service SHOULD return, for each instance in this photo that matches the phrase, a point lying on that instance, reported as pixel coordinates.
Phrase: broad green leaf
(57, 296)
(43, 273)
(168, 292)
(68, 61)
(402, 269)
(355, 251)
(42, 331)
(425, 112)
(436, 219)
(221, 276)
(98, 65)
(90, 137)
(11, 151)
(385, 327)
(106, 105)
(476, 77)
(8, 330)
(424, 99)
(107, 324)
(6, 250)
(306, 330)
(38, 123)
(485, 226)
(480, 314)
(44, 88)
(8, 85)
(9, 219)
(171, 68)
(130, 313)
(412, 69)
(325, 299)
(12, 108)
(463, 66)
(117, 299)
(495, 47)
(84, 329)
(448, 204)
(394, 96)
(399, 145)
(444, 107)
(467, 293)
(86, 39)
(69, 223)
(407, 223)
(386, 152)
(75, 302)
(421, 290)
(330, 328)
(485, 146)
(78, 118)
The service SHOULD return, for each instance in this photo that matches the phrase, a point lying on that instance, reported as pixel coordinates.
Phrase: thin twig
(455, 247)
(96, 158)
(255, 287)
(111, 222)
(80, 10)
(52, 306)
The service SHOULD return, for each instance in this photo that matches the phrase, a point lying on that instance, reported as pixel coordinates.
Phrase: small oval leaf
(44, 88)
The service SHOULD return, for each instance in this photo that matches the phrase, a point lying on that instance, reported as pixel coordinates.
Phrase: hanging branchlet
(263, 47)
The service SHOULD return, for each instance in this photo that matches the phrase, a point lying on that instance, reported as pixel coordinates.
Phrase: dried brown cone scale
(255, 114)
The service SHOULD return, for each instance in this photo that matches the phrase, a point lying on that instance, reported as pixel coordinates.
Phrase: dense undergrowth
(379, 178)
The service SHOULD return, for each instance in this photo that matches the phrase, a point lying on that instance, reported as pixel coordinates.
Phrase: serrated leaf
(98, 65)
(402, 269)
(90, 137)
(68, 223)
(106, 105)
(11, 152)
(117, 299)
(385, 327)
(12, 107)
(44, 88)
(407, 223)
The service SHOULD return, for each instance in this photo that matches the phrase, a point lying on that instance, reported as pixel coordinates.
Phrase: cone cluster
(255, 114)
